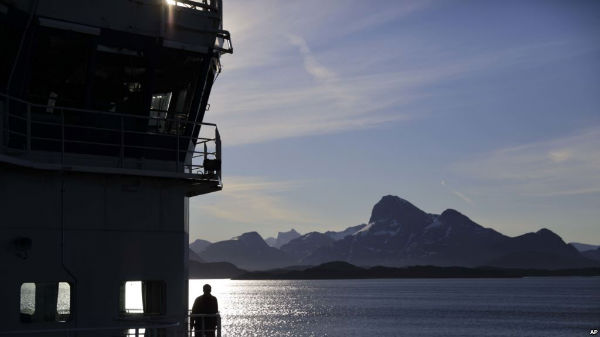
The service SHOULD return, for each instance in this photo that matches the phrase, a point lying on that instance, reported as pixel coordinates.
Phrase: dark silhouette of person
(205, 304)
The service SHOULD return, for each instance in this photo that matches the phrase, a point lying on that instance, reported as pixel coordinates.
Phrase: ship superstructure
(102, 142)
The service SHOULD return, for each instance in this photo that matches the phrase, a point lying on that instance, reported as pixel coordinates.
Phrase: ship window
(143, 298)
(28, 299)
(45, 302)
(159, 108)
(63, 305)
(120, 84)
(59, 68)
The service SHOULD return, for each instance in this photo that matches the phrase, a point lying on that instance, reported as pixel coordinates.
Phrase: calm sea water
(561, 306)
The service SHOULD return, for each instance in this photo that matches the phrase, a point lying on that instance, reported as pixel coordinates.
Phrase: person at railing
(205, 304)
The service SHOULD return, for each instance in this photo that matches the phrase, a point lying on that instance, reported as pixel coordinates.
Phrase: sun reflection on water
(404, 307)
(268, 307)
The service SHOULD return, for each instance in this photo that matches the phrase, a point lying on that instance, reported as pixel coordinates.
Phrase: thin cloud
(558, 167)
(312, 66)
(461, 195)
(264, 93)
(308, 93)
(251, 201)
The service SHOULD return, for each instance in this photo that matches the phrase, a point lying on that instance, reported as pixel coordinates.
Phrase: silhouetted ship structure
(103, 141)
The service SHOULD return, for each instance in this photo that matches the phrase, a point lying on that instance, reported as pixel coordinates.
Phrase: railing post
(28, 127)
(177, 163)
(218, 152)
(122, 148)
(137, 332)
(204, 158)
(4, 114)
(218, 325)
(62, 136)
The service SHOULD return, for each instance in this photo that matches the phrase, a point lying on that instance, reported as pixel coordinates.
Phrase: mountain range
(282, 238)
(400, 234)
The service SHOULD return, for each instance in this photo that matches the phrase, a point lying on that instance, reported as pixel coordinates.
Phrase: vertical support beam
(198, 106)
(122, 147)
(204, 159)
(177, 158)
(3, 114)
(62, 136)
(218, 152)
(28, 127)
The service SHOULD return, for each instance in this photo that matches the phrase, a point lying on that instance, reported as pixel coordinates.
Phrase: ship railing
(199, 333)
(223, 42)
(154, 141)
(142, 329)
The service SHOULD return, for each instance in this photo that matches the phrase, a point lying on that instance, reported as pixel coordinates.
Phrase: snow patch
(365, 229)
(436, 223)
(448, 231)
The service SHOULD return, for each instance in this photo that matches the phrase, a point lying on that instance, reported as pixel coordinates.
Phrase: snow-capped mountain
(401, 234)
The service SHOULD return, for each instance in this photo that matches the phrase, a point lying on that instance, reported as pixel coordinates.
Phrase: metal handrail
(217, 316)
(183, 155)
(133, 329)
(147, 326)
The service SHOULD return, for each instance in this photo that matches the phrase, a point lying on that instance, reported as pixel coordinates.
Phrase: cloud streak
(284, 81)
(252, 201)
(460, 195)
(559, 167)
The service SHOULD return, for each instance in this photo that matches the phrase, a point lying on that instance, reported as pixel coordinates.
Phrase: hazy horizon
(489, 108)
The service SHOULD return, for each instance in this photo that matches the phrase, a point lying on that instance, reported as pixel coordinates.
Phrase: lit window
(45, 302)
(143, 297)
(63, 304)
(159, 108)
(28, 299)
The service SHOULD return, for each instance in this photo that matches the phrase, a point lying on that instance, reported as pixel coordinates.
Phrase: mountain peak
(550, 235)
(544, 231)
(199, 245)
(251, 239)
(455, 218)
(283, 238)
(452, 212)
(291, 231)
(391, 207)
(452, 215)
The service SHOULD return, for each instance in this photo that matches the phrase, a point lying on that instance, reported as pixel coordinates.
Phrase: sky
(491, 108)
